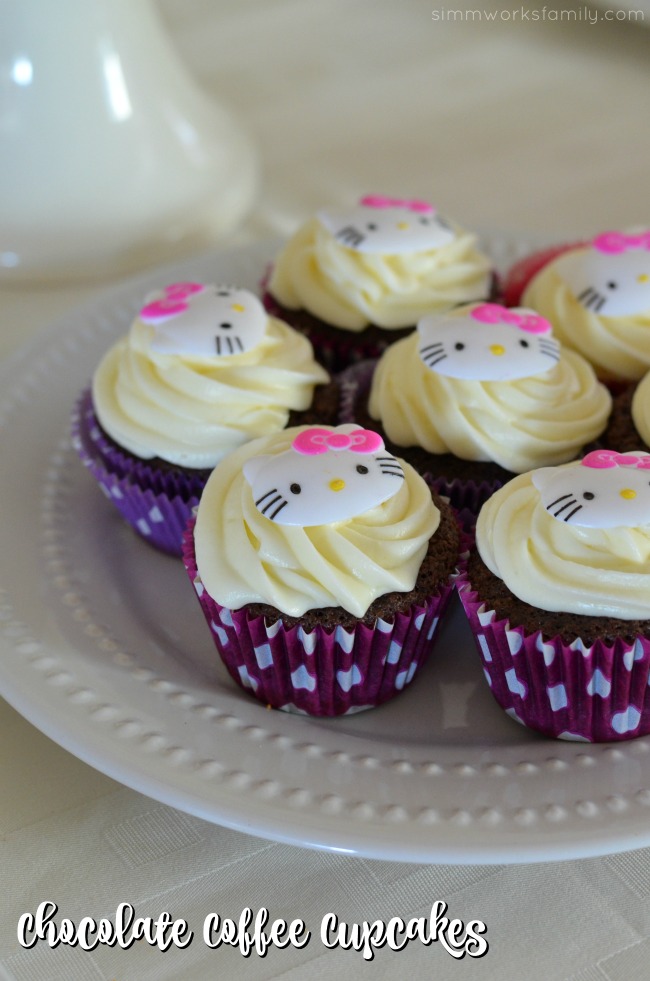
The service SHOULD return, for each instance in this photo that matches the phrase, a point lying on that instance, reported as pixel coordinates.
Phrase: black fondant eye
(223, 292)
(425, 221)
(612, 285)
(361, 468)
(588, 495)
(225, 325)
(459, 347)
(295, 488)
(371, 227)
(524, 343)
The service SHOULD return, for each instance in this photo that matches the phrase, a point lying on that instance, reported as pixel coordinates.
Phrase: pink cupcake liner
(574, 691)
(320, 672)
(465, 496)
(157, 504)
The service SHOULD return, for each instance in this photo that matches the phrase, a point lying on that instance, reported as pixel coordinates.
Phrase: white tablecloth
(512, 123)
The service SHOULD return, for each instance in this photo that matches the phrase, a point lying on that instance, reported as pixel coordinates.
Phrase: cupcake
(356, 280)
(202, 370)
(558, 597)
(477, 395)
(597, 296)
(322, 564)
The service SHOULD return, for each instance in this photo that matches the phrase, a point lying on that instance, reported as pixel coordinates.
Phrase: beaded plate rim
(118, 694)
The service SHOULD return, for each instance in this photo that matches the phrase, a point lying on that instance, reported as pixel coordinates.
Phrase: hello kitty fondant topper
(611, 277)
(488, 343)
(204, 321)
(327, 475)
(380, 224)
(605, 490)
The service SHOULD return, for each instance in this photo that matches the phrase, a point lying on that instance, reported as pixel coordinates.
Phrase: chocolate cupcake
(557, 597)
(477, 395)
(356, 280)
(322, 565)
(202, 370)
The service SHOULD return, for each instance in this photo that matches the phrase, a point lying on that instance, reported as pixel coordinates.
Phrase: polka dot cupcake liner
(318, 672)
(465, 496)
(156, 503)
(595, 693)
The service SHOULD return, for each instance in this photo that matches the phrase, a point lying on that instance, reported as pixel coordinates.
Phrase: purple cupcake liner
(320, 672)
(591, 693)
(465, 496)
(157, 505)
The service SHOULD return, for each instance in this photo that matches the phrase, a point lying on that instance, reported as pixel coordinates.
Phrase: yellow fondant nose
(628, 493)
(337, 484)
(642, 278)
(402, 225)
(238, 307)
(497, 349)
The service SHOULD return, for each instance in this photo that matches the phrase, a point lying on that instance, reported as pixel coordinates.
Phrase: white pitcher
(110, 155)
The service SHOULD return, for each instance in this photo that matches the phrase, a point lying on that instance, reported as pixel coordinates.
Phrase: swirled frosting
(520, 424)
(244, 557)
(352, 289)
(190, 410)
(558, 566)
(617, 346)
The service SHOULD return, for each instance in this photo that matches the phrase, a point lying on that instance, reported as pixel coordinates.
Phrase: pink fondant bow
(311, 442)
(614, 243)
(381, 201)
(174, 301)
(605, 459)
(494, 313)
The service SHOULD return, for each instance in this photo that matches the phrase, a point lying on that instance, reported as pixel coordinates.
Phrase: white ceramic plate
(104, 648)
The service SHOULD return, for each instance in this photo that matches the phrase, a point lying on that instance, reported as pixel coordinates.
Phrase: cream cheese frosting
(351, 289)
(559, 566)
(245, 557)
(190, 409)
(519, 423)
(618, 346)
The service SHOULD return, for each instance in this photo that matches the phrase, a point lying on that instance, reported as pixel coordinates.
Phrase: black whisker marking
(218, 343)
(350, 235)
(557, 501)
(428, 347)
(229, 340)
(575, 510)
(239, 343)
(430, 364)
(259, 501)
(394, 473)
(277, 510)
(386, 457)
(564, 507)
(271, 503)
(586, 293)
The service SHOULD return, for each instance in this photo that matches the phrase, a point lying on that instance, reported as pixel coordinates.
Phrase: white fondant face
(209, 321)
(608, 285)
(303, 489)
(391, 230)
(594, 497)
(461, 347)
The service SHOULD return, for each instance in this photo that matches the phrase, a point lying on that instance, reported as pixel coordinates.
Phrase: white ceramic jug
(110, 155)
